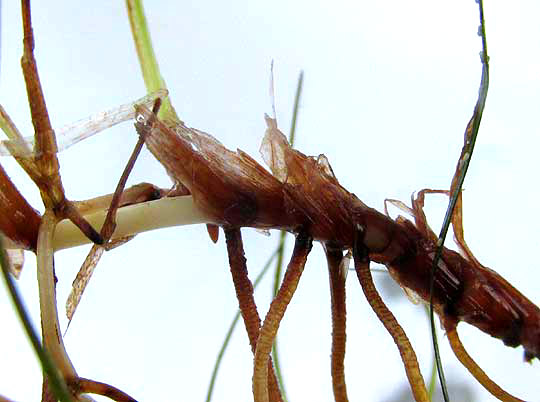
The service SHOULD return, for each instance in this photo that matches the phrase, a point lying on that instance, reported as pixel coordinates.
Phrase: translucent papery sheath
(233, 190)
(82, 129)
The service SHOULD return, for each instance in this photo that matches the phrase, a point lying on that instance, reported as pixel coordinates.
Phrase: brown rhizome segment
(312, 201)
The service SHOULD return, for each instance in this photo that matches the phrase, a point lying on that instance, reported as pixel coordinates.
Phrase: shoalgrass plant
(54, 199)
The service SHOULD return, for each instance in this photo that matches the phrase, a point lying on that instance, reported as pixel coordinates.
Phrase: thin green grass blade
(463, 165)
(433, 374)
(147, 58)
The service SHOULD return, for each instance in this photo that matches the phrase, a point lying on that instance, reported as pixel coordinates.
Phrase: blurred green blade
(147, 58)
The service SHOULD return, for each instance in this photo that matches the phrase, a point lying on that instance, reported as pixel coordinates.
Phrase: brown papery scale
(19, 222)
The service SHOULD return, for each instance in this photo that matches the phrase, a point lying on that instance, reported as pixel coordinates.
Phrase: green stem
(433, 374)
(147, 58)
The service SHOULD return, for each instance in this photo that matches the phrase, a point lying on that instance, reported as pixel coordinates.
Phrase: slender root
(268, 332)
(246, 301)
(242, 285)
(339, 318)
(85, 386)
(408, 356)
(474, 369)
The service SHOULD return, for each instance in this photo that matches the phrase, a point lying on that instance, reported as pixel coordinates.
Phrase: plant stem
(52, 338)
(56, 381)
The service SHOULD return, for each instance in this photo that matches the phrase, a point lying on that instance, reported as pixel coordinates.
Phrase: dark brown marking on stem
(69, 211)
(246, 300)
(408, 356)
(268, 332)
(334, 257)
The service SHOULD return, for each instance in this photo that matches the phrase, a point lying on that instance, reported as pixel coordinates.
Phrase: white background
(389, 89)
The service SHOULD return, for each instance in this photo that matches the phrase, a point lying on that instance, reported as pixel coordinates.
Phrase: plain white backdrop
(389, 88)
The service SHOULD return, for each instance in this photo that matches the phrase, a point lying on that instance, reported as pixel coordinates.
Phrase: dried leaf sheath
(242, 192)
(245, 194)
(310, 187)
(19, 222)
(81, 280)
